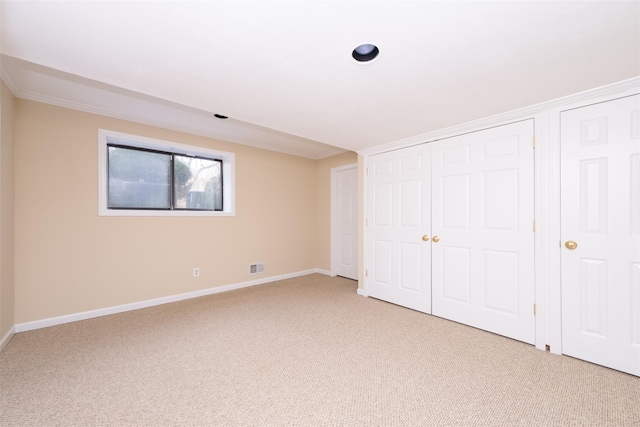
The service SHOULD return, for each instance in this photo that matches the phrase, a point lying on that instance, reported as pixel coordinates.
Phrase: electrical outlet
(196, 272)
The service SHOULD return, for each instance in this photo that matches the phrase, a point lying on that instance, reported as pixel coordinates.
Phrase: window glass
(197, 183)
(138, 179)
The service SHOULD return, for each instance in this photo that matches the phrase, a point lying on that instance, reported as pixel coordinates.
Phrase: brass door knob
(425, 237)
(571, 245)
(436, 239)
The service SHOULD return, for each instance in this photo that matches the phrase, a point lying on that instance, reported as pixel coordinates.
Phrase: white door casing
(345, 219)
(600, 211)
(483, 212)
(399, 215)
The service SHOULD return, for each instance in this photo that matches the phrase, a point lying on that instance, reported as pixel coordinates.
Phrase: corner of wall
(7, 285)
(7, 337)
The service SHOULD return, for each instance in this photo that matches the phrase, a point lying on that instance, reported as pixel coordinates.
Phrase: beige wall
(6, 211)
(323, 239)
(69, 260)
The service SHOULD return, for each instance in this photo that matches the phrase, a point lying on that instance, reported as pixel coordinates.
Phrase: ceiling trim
(19, 92)
(620, 88)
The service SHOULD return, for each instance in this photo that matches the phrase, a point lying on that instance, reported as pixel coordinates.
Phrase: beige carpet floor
(299, 352)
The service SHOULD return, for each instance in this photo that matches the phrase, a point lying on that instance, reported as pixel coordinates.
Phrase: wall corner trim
(7, 337)
(60, 320)
(362, 292)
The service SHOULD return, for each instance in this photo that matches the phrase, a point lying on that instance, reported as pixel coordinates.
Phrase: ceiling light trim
(365, 53)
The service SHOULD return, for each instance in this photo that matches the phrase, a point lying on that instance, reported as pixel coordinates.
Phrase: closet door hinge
(534, 225)
(366, 222)
(366, 273)
(534, 309)
(533, 142)
(367, 171)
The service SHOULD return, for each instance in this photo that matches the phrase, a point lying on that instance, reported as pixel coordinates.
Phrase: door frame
(546, 116)
(334, 216)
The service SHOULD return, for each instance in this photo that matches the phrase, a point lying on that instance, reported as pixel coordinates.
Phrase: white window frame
(111, 137)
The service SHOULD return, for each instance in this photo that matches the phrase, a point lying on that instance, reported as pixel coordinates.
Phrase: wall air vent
(256, 268)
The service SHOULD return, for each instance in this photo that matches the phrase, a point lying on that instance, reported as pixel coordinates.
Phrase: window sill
(150, 212)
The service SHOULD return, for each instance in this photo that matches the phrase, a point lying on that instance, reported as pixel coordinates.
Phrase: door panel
(347, 199)
(600, 194)
(501, 194)
(635, 304)
(399, 208)
(456, 280)
(501, 271)
(455, 201)
(482, 266)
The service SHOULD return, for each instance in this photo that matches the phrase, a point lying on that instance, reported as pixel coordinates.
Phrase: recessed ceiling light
(220, 116)
(365, 52)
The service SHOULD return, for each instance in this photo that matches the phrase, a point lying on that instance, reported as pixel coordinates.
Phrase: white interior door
(346, 217)
(399, 216)
(482, 225)
(600, 212)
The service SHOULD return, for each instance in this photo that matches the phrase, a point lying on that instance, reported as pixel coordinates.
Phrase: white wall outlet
(196, 272)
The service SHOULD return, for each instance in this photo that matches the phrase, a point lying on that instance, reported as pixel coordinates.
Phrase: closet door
(399, 216)
(482, 225)
(600, 230)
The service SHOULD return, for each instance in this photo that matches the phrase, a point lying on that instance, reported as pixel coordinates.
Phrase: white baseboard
(325, 272)
(7, 337)
(53, 321)
(362, 292)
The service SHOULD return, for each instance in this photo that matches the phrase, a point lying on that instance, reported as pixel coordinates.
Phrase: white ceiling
(283, 72)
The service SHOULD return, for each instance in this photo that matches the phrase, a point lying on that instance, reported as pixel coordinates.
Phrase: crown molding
(622, 88)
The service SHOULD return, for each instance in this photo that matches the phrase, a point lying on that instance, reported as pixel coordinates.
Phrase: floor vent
(256, 268)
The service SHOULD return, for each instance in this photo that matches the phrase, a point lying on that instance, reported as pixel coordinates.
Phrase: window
(148, 179)
(143, 176)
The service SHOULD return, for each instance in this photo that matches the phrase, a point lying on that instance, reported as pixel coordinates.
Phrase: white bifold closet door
(399, 215)
(450, 229)
(600, 229)
(482, 226)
